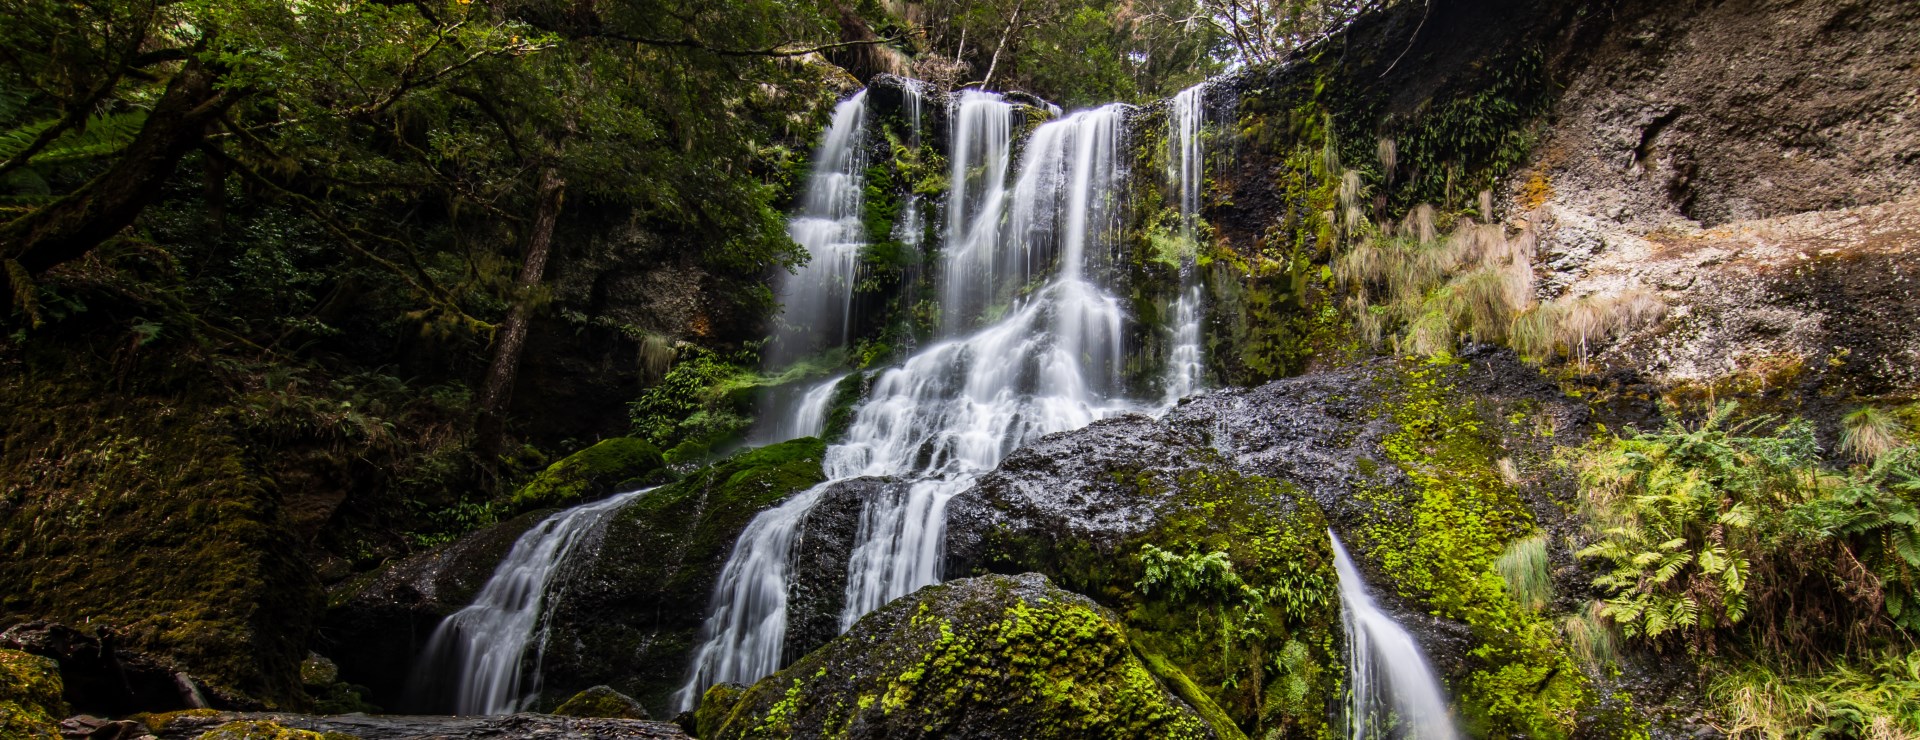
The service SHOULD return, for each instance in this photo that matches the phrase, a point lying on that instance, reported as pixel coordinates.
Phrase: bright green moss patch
(30, 704)
(608, 467)
(1439, 542)
(268, 730)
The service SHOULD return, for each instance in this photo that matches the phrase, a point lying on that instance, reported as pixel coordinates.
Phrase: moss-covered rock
(715, 707)
(608, 467)
(30, 703)
(601, 701)
(135, 507)
(988, 657)
(630, 611)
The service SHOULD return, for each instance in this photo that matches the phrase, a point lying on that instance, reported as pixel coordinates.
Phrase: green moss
(601, 701)
(1052, 665)
(1439, 542)
(716, 708)
(268, 730)
(159, 721)
(30, 703)
(1225, 636)
(608, 467)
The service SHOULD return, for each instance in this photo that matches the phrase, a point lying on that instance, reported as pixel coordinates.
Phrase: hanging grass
(1524, 567)
(1868, 433)
(1591, 636)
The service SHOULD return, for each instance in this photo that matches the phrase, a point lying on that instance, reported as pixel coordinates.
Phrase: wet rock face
(990, 657)
(1312, 431)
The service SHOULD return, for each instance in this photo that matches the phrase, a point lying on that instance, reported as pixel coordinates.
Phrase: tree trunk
(497, 389)
(71, 226)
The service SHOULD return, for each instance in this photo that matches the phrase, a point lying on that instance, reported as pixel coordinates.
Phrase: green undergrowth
(1439, 542)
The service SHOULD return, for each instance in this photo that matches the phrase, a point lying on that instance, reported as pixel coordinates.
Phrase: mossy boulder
(989, 657)
(608, 467)
(30, 703)
(131, 503)
(601, 701)
(629, 609)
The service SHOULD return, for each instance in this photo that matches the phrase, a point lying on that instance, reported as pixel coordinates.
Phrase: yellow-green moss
(1438, 543)
(30, 704)
(609, 466)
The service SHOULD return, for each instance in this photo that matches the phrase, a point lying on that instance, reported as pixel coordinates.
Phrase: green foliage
(1875, 697)
(1703, 525)
(1077, 54)
(699, 401)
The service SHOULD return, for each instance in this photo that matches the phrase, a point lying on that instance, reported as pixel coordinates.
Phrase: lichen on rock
(30, 702)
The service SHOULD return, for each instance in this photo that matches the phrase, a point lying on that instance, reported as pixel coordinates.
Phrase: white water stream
(484, 645)
(1392, 691)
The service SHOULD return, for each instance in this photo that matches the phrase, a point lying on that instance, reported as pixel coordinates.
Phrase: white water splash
(1392, 691)
(485, 644)
(746, 627)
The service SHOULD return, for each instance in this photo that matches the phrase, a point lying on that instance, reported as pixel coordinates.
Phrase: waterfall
(1186, 168)
(951, 412)
(818, 297)
(485, 644)
(982, 144)
(1392, 691)
(746, 626)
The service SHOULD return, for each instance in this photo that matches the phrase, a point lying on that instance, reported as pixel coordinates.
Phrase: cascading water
(982, 145)
(954, 410)
(485, 644)
(818, 296)
(1186, 167)
(1393, 693)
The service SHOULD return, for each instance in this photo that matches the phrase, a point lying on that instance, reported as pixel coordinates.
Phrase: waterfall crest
(1392, 691)
(485, 644)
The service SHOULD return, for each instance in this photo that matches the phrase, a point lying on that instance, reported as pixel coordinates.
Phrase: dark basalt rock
(100, 675)
(989, 657)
